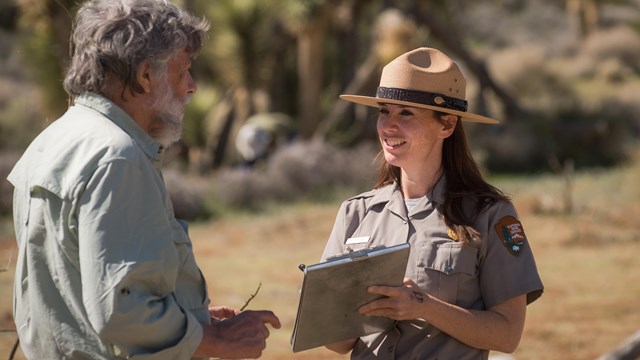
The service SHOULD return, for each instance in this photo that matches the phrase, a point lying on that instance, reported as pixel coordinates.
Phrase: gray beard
(168, 128)
(168, 121)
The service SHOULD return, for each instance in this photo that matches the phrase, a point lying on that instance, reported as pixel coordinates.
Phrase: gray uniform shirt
(104, 269)
(479, 278)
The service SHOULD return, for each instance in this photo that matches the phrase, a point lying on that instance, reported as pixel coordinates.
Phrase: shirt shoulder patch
(511, 234)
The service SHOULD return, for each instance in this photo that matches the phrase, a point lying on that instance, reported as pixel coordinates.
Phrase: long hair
(112, 37)
(464, 183)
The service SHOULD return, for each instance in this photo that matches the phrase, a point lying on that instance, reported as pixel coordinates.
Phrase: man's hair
(112, 37)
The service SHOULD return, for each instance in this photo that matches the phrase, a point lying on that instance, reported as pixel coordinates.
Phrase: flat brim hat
(423, 78)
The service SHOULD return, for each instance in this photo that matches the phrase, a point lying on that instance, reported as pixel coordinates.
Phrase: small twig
(15, 349)
(251, 297)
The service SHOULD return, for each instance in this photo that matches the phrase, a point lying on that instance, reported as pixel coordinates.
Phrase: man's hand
(241, 336)
(222, 312)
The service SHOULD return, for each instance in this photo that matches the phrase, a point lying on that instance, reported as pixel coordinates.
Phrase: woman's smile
(394, 143)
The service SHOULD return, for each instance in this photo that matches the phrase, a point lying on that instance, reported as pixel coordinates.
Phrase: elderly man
(105, 270)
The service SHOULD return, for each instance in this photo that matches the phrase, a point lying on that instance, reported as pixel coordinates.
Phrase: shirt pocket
(444, 267)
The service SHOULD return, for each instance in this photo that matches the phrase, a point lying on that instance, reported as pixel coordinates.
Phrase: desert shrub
(305, 167)
(188, 194)
(526, 73)
(239, 188)
(595, 137)
(580, 104)
(514, 146)
(299, 170)
(621, 43)
(499, 24)
(590, 136)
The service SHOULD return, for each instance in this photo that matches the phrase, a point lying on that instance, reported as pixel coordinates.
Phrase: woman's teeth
(394, 143)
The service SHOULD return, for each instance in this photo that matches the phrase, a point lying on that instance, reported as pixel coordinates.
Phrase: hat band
(422, 97)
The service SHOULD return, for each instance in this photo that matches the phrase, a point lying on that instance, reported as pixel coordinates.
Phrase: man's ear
(449, 123)
(144, 75)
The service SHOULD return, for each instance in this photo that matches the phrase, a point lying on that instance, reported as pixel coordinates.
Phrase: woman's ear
(449, 123)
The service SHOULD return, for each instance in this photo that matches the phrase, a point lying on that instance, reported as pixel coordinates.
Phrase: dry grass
(587, 261)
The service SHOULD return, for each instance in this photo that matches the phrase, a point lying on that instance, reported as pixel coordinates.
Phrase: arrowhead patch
(511, 234)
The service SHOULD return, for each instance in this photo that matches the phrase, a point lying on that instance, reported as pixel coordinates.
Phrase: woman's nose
(387, 122)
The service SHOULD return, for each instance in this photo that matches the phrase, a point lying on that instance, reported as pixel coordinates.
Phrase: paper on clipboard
(332, 292)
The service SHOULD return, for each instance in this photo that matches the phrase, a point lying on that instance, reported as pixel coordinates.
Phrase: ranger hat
(423, 78)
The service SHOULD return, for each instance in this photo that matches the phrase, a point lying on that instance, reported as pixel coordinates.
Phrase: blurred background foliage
(562, 75)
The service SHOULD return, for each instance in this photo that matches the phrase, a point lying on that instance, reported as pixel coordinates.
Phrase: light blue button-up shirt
(104, 269)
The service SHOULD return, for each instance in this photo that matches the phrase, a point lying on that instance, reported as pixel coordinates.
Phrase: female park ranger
(471, 272)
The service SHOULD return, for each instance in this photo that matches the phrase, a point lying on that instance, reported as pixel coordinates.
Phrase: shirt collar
(437, 193)
(118, 116)
(393, 195)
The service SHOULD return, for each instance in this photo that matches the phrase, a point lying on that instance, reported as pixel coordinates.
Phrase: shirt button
(404, 222)
(390, 349)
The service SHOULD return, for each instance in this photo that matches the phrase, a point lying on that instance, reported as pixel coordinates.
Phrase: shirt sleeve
(507, 266)
(336, 239)
(129, 265)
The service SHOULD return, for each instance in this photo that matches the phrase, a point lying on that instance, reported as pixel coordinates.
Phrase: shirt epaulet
(364, 195)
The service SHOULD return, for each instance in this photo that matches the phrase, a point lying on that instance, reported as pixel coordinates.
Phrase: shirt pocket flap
(451, 258)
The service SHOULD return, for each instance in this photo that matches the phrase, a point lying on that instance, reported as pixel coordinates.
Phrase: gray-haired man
(105, 270)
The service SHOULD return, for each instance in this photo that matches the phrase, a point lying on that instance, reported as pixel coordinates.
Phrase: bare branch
(251, 297)
(14, 349)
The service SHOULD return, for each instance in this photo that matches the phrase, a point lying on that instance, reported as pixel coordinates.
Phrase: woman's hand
(498, 328)
(404, 302)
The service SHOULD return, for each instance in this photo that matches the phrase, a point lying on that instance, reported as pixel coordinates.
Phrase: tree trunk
(282, 43)
(311, 39)
(219, 123)
(584, 16)
(366, 75)
(61, 19)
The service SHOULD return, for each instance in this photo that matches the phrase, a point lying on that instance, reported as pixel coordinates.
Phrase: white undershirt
(410, 203)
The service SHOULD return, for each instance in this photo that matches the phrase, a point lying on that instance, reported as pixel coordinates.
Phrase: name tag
(357, 240)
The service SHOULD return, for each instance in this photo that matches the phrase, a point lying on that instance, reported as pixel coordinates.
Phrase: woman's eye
(383, 111)
(406, 113)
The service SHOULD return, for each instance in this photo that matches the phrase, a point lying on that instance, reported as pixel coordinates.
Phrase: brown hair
(464, 181)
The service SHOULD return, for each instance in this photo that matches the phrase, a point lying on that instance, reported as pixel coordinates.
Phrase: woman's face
(410, 136)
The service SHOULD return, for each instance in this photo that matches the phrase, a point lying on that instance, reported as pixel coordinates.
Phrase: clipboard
(332, 292)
